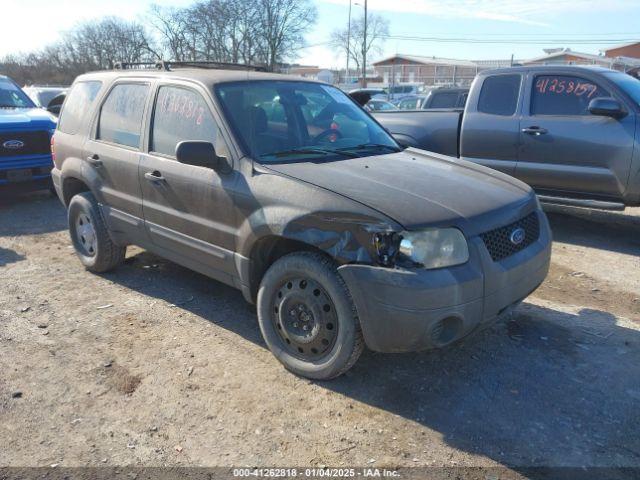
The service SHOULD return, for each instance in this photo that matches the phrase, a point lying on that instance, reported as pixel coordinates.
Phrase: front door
(564, 148)
(188, 210)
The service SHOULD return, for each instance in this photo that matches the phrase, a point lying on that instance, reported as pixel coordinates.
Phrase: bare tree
(171, 25)
(283, 24)
(227, 30)
(241, 31)
(89, 46)
(353, 44)
(101, 44)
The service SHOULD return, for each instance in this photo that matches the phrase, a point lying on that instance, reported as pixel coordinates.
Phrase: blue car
(25, 139)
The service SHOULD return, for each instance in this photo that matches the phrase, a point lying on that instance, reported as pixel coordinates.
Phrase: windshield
(11, 96)
(627, 83)
(280, 121)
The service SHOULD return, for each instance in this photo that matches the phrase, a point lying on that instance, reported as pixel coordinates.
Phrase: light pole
(364, 49)
(348, 42)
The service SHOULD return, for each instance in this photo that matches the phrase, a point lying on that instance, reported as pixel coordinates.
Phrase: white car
(42, 96)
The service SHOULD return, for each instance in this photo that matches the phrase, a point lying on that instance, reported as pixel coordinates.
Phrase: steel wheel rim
(86, 235)
(305, 318)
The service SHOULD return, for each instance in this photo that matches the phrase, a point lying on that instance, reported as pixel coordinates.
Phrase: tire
(90, 235)
(307, 316)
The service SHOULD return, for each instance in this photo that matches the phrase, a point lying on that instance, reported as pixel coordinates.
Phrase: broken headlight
(434, 248)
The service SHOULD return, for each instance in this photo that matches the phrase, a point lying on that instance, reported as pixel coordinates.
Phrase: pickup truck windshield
(12, 97)
(627, 83)
(283, 121)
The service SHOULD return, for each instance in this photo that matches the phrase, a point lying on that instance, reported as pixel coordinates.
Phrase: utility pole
(348, 43)
(364, 49)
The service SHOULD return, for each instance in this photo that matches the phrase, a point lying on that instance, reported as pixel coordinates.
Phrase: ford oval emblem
(13, 144)
(517, 236)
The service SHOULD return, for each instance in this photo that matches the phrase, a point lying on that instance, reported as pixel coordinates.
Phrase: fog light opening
(446, 331)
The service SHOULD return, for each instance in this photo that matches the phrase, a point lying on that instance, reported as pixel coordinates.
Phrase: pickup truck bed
(437, 129)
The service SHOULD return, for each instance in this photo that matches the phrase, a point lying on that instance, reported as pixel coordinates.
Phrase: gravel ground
(155, 365)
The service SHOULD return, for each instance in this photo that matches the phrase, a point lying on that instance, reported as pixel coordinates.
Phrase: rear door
(188, 210)
(112, 154)
(564, 148)
(490, 131)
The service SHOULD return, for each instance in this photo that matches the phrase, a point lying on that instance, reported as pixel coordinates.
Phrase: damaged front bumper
(404, 310)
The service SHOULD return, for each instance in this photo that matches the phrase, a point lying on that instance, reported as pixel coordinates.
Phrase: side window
(121, 114)
(77, 104)
(563, 95)
(181, 114)
(499, 95)
(407, 104)
(444, 100)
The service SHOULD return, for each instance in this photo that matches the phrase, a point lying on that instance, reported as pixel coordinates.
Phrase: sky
(448, 29)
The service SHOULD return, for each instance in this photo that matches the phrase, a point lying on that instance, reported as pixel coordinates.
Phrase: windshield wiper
(364, 146)
(309, 151)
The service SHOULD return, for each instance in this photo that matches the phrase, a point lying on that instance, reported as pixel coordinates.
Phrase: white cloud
(514, 11)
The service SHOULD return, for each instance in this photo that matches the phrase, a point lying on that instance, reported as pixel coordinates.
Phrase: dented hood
(419, 189)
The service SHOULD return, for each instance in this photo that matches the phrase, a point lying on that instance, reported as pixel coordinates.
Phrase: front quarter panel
(275, 205)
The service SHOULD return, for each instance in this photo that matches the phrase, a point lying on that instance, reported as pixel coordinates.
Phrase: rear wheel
(307, 317)
(90, 235)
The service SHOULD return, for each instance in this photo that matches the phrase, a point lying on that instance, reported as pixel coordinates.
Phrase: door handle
(535, 131)
(154, 176)
(94, 160)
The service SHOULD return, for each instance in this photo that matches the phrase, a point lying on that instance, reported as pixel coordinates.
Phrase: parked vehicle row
(434, 99)
(289, 191)
(570, 132)
(25, 138)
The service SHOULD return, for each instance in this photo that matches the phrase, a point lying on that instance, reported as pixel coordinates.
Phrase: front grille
(498, 241)
(34, 143)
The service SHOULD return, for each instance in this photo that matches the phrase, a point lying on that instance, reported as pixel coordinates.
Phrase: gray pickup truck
(570, 132)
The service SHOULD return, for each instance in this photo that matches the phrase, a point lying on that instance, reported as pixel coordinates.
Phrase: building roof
(567, 51)
(622, 45)
(427, 60)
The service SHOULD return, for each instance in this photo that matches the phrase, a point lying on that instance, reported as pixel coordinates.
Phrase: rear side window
(409, 104)
(563, 95)
(181, 114)
(499, 95)
(121, 114)
(444, 100)
(77, 104)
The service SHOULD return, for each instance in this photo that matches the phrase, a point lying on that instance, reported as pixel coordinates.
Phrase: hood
(26, 119)
(419, 189)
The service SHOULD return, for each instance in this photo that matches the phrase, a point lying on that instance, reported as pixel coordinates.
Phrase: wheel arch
(267, 250)
(72, 179)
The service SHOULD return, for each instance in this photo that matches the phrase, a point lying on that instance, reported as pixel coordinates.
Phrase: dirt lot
(156, 365)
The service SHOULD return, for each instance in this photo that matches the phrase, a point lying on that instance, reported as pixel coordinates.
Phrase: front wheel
(307, 316)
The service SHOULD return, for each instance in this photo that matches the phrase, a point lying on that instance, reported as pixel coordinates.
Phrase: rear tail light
(53, 149)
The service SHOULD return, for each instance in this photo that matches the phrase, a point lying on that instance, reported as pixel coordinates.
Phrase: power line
(635, 35)
(511, 41)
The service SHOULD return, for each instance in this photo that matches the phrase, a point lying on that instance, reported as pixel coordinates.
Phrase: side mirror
(606, 107)
(200, 154)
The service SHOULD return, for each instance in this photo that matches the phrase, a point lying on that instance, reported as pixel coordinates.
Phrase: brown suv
(286, 189)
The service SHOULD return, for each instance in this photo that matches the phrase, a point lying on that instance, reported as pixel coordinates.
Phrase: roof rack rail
(168, 65)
